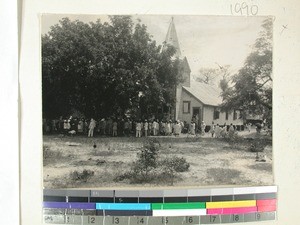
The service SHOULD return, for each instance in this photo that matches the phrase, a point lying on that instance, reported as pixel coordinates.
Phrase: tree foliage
(207, 75)
(101, 69)
(252, 85)
(213, 76)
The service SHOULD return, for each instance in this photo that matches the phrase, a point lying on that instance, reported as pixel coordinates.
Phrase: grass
(262, 167)
(224, 176)
(50, 156)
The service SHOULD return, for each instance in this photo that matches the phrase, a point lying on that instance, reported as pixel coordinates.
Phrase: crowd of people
(128, 127)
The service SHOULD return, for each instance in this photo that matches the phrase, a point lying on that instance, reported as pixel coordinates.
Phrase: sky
(205, 40)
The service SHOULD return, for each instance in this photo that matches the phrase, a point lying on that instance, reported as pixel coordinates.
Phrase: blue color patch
(123, 206)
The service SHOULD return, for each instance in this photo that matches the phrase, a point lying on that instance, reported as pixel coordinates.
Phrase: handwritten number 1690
(243, 9)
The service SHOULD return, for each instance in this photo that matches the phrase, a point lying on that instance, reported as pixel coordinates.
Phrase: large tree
(215, 76)
(101, 69)
(207, 75)
(252, 85)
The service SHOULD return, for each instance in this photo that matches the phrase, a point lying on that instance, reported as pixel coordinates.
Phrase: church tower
(172, 39)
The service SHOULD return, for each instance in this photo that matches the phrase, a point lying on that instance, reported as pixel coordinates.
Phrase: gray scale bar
(166, 192)
(54, 211)
(139, 220)
(67, 192)
(151, 194)
(235, 218)
(102, 193)
(54, 219)
(210, 219)
(126, 194)
(250, 217)
(148, 220)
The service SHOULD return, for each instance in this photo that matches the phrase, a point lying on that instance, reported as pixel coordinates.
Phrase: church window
(234, 115)
(186, 106)
(216, 114)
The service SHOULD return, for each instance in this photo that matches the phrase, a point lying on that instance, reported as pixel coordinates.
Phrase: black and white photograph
(156, 100)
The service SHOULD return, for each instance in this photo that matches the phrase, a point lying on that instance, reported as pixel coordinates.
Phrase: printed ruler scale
(155, 207)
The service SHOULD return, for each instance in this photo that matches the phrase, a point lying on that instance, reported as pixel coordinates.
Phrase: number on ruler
(67, 219)
(258, 216)
(164, 220)
(48, 218)
(92, 219)
(213, 218)
(140, 221)
(116, 220)
(236, 218)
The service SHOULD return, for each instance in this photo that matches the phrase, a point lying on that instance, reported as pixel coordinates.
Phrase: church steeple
(172, 38)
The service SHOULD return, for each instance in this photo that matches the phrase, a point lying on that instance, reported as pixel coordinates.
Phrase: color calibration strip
(196, 206)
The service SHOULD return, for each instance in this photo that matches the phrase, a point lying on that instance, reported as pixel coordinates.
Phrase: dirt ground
(212, 161)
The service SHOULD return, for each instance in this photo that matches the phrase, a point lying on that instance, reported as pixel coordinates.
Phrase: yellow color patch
(230, 204)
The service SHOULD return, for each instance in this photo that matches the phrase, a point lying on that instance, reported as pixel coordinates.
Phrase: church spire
(172, 38)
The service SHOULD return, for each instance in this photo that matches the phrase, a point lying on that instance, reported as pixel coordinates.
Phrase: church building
(195, 100)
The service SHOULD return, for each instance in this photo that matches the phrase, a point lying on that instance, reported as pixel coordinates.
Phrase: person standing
(177, 129)
(146, 128)
(217, 131)
(249, 127)
(130, 127)
(155, 126)
(203, 126)
(126, 127)
(102, 126)
(109, 125)
(192, 128)
(92, 127)
(169, 127)
(66, 126)
(138, 128)
(163, 127)
(80, 127)
(231, 130)
(115, 129)
(212, 129)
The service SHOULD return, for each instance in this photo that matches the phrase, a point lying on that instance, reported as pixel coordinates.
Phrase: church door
(197, 116)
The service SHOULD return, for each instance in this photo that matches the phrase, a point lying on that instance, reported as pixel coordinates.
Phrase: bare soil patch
(212, 162)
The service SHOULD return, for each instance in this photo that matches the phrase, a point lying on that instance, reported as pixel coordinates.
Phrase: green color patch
(193, 205)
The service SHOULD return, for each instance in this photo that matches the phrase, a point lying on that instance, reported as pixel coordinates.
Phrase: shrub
(179, 164)
(81, 176)
(148, 168)
(147, 158)
(234, 139)
(258, 145)
(171, 167)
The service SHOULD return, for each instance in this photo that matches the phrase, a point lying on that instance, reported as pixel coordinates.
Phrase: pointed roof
(172, 38)
(205, 93)
(186, 65)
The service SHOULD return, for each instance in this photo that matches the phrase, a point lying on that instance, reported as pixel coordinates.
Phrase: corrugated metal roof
(207, 94)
